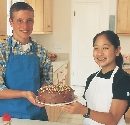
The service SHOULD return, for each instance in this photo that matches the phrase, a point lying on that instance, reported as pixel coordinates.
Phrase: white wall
(62, 28)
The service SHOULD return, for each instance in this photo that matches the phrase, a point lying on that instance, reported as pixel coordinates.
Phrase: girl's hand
(74, 108)
(32, 98)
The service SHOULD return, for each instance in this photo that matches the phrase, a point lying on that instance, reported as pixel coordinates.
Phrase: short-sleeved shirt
(120, 85)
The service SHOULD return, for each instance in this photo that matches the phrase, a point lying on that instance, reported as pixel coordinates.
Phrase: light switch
(56, 45)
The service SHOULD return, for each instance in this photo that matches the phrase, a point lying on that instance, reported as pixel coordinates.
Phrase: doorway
(88, 20)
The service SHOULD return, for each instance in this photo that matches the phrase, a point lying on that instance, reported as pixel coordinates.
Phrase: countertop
(57, 64)
(34, 122)
(126, 67)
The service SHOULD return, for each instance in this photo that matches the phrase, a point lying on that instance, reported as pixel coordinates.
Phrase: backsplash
(62, 56)
(126, 59)
(125, 44)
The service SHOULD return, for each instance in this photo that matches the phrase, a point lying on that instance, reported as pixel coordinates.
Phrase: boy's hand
(32, 98)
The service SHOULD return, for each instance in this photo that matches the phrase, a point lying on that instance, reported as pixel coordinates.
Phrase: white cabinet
(61, 75)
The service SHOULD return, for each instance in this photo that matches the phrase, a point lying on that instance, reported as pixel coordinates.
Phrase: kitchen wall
(62, 29)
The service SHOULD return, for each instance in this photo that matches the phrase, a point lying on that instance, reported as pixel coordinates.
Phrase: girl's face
(104, 53)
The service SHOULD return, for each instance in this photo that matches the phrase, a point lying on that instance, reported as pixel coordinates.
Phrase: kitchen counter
(34, 122)
(57, 64)
(126, 67)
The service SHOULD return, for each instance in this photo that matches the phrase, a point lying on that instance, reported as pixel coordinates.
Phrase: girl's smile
(104, 53)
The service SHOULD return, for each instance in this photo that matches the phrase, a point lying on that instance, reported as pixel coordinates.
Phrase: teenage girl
(107, 91)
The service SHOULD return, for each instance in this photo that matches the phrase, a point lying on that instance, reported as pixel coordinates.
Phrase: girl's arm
(115, 113)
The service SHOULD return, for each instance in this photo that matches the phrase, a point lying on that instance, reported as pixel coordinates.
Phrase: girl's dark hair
(115, 41)
(19, 6)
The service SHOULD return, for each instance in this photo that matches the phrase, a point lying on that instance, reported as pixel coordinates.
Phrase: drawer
(62, 80)
(55, 76)
(56, 82)
(60, 76)
(60, 72)
(63, 70)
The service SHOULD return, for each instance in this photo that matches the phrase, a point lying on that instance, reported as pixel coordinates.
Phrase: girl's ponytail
(119, 61)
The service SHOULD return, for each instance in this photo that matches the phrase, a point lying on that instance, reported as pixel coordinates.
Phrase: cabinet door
(48, 5)
(42, 16)
(3, 18)
(53, 113)
(123, 17)
(38, 14)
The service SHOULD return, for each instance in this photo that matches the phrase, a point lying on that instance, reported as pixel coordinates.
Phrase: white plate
(75, 99)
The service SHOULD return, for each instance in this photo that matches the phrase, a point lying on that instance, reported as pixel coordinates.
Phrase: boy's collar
(16, 42)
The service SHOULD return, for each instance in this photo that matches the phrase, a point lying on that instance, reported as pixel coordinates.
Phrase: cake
(54, 94)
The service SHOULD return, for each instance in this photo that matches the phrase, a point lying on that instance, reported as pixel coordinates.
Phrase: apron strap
(10, 44)
(115, 70)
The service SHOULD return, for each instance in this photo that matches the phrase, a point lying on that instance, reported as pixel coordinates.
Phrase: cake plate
(58, 104)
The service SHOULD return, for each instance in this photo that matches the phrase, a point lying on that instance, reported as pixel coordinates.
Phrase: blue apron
(22, 73)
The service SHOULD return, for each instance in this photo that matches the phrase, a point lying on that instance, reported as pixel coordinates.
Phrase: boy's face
(22, 24)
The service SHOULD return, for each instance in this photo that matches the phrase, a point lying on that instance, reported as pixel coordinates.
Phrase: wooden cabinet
(127, 114)
(59, 77)
(53, 113)
(43, 16)
(123, 17)
(3, 19)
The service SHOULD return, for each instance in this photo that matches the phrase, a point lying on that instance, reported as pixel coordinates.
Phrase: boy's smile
(22, 24)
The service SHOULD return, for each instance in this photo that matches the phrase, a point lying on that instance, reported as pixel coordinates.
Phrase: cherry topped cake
(55, 94)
